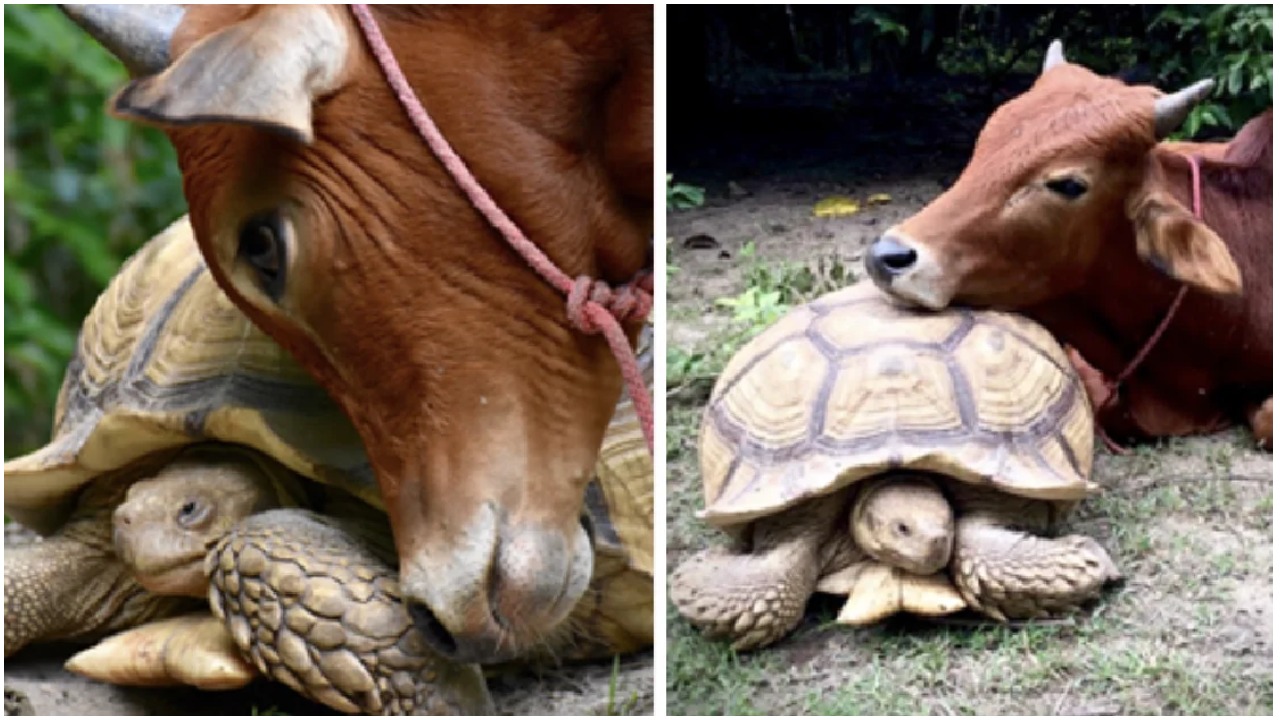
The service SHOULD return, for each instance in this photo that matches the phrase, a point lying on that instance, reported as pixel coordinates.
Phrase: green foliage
(882, 21)
(771, 290)
(1231, 44)
(1169, 46)
(755, 307)
(82, 191)
(683, 197)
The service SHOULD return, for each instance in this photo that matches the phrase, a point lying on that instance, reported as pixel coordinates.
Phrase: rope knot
(631, 302)
(593, 307)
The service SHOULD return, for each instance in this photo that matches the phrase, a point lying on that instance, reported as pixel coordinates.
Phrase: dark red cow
(1073, 212)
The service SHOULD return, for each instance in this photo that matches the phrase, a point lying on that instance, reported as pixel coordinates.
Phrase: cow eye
(262, 246)
(1068, 187)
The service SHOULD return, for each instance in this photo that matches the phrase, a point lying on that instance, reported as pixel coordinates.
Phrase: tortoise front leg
(311, 605)
(755, 598)
(72, 586)
(1007, 574)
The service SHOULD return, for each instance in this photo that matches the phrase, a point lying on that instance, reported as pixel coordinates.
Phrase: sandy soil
(581, 690)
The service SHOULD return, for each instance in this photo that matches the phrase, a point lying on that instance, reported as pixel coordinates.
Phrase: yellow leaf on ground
(879, 199)
(836, 206)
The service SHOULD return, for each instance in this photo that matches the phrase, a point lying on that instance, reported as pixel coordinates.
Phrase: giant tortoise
(909, 459)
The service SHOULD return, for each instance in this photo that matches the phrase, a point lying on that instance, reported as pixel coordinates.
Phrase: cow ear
(1173, 241)
(265, 70)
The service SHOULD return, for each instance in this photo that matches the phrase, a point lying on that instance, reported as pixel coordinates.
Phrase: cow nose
(438, 637)
(888, 257)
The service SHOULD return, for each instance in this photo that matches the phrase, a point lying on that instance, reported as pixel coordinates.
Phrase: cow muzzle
(497, 590)
(900, 267)
(887, 258)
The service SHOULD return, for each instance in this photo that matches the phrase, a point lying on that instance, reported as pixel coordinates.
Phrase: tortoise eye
(192, 513)
(262, 246)
(1068, 187)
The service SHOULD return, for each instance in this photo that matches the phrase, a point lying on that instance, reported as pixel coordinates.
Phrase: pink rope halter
(1114, 390)
(593, 306)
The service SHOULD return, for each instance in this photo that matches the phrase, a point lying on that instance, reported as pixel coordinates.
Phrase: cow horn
(138, 35)
(1054, 57)
(1173, 108)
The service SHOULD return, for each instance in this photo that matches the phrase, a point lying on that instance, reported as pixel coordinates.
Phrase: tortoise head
(167, 523)
(905, 521)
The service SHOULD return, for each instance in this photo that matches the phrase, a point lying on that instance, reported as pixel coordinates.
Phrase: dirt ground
(1189, 522)
(579, 689)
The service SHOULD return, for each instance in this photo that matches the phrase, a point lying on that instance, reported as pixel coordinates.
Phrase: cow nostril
(898, 258)
(432, 630)
(901, 261)
(888, 257)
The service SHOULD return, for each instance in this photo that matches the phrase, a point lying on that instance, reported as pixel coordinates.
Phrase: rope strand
(593, 307)
(1114, 394)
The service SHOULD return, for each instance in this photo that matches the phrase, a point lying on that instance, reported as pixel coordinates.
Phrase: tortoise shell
(852, 385)
(165, 360)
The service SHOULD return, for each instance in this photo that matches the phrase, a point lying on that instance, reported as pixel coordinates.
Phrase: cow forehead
(1070, 112)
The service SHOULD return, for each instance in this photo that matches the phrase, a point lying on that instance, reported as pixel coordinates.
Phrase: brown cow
(326, 218)
(1071, 212)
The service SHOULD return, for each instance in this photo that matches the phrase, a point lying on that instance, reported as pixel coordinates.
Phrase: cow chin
(922, 295)
(496, 588)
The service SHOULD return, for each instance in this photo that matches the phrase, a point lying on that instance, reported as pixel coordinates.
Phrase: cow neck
(593, 306)
(1113, 391)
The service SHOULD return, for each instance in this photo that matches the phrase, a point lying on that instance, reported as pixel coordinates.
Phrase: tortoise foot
(186, 650)
(1010, 575)
(742, 598)
(70, 587)
(313, 607)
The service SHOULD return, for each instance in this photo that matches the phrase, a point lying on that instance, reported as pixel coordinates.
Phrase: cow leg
(1260, 423)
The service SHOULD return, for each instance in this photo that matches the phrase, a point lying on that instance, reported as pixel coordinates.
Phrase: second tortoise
(914, 461)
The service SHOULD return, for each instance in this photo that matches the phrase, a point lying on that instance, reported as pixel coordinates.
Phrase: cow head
(1058, 174)
(326, 218)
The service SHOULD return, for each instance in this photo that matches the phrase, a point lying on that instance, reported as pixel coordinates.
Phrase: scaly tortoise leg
(308, 601)
(756, 598)
(71, 585)
(1008, 574)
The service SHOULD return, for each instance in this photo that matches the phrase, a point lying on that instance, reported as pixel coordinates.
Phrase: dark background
(763, 89)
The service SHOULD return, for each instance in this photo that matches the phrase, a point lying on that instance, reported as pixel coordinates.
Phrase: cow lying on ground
(1071, 212)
